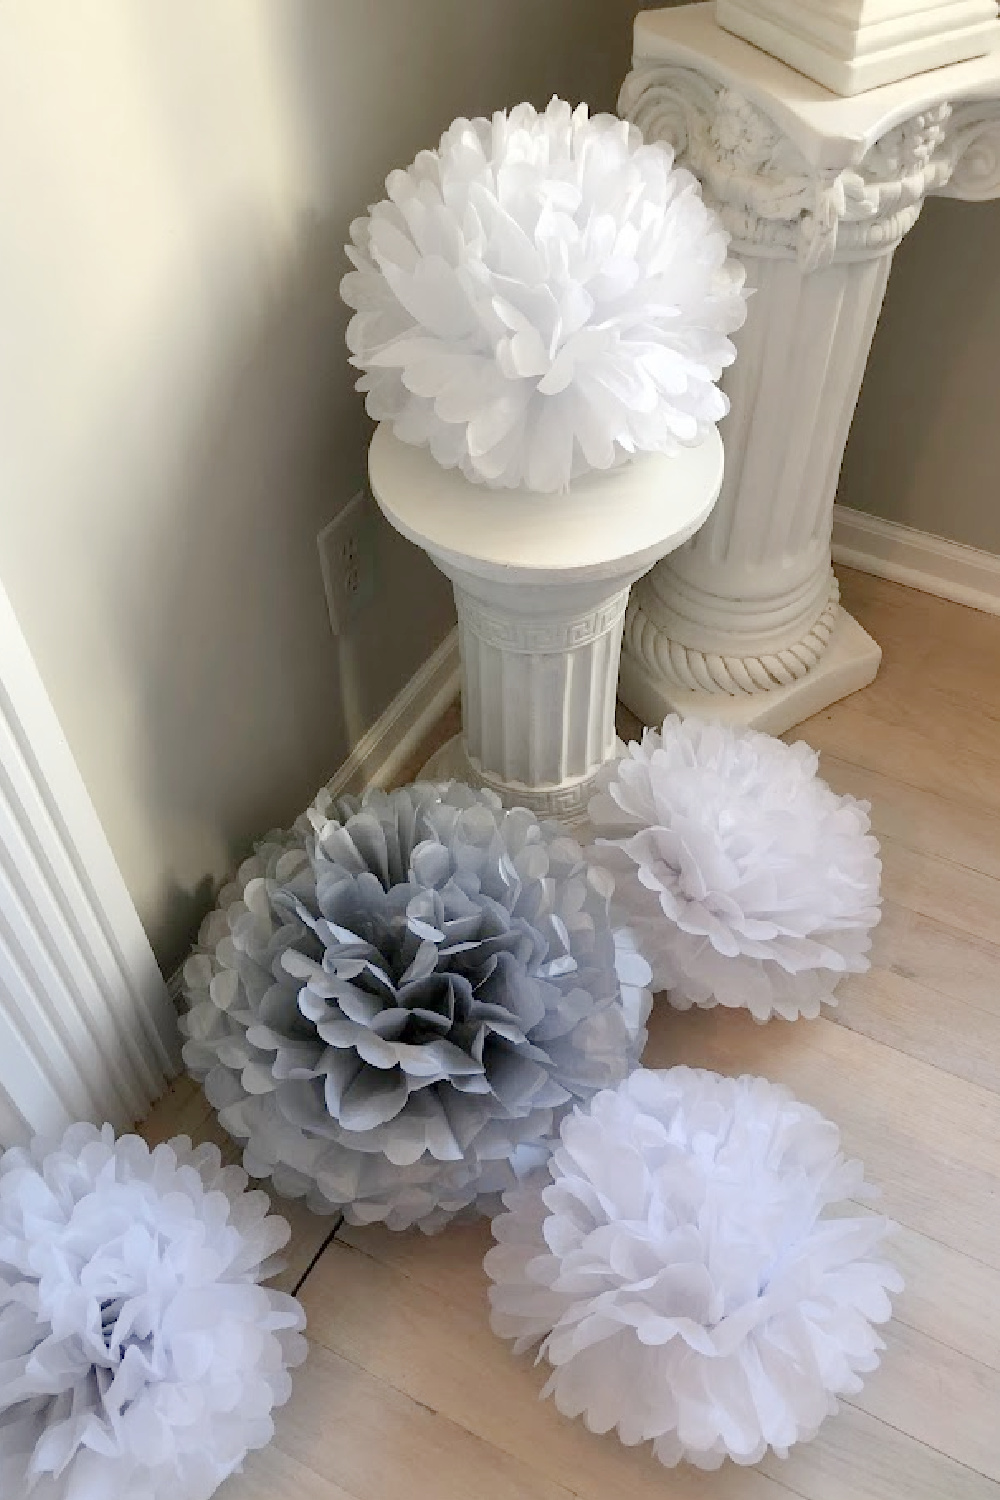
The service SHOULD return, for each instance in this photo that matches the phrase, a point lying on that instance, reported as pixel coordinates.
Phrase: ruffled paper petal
(139, 1356)
(402, 994)
(686, 1265)
(541, 296)
(742, 878)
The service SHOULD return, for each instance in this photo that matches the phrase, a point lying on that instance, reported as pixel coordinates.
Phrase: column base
(566, 803)
(849, 662)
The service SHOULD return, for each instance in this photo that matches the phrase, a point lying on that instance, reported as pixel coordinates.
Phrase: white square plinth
(850, 46)
(849, 662)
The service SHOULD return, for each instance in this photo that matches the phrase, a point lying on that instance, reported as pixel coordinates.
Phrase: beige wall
(177, 414)
(925, 445)
(178, 420)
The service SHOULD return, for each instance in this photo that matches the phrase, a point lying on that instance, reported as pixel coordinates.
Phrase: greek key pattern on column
(526, 635)
(703, 672)
(567, 803)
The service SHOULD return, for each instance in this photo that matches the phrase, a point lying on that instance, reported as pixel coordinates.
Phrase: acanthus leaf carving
(972, 145)
(769, 196)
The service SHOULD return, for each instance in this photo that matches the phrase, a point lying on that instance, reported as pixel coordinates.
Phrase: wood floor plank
(906, 695)
(180, 1111)
(945, 646)
(931, 1141)
(447, 1270)
(938, 1396)
(935, 887)
(948, 1296)
(366, 1435)
(933, 824)
(272, 1472)
(855, 731)
(434, 1345)
(856, 1457)
(956, 965)
(924, 1024)
(453, 1259)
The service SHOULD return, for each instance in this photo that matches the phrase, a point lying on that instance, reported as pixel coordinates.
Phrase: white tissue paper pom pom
(541, 296)
(743, 878)
(396, 1002)
(677, 1262)
(139, 1356)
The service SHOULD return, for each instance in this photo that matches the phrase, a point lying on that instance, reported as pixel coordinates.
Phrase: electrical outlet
(347, 559)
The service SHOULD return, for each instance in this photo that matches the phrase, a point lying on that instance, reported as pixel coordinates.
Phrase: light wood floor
(407, 1394)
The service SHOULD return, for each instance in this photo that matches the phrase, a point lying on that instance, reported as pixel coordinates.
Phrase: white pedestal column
(743, 623)
(541, 585)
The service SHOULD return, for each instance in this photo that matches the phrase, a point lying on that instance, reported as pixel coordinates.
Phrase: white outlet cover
(347, 560)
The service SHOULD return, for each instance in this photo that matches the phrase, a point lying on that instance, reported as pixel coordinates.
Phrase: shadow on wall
(180, 418)
(366, 86)
(238, 714)
(253, 701)
(925, 447)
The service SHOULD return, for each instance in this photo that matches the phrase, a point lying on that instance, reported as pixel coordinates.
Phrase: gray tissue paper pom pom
(395, 1003)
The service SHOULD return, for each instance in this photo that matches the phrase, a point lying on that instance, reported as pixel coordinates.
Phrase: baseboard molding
(922, 561)
(378, 756)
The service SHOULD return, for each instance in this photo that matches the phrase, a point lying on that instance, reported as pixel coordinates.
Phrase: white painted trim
(86, 1026)
(922, 561)
(412, 714)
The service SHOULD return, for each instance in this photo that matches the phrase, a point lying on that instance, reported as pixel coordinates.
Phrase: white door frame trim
(87, 1030)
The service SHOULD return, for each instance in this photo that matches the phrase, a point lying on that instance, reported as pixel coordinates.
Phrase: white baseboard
(378, 756)
(922, 561)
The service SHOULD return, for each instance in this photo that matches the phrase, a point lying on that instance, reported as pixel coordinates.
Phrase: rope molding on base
(700, 671)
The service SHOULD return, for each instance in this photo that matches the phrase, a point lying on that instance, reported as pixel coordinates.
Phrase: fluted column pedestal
(541, 587)
(743, 623)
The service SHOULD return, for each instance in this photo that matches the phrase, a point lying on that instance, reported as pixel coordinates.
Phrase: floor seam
(317, 1257)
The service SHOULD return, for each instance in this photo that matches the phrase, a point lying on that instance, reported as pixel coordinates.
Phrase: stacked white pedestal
(541, 586)
(743, 622)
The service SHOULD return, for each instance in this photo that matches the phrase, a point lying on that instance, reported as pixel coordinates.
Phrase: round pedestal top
(607, 524)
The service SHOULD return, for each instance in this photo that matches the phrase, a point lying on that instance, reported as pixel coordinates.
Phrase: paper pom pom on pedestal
(406, 993)
(744, 879)
(541, 296)
(139, 1357)
(677, 1265)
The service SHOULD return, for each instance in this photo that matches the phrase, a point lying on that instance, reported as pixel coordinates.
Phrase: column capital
(793, 170)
